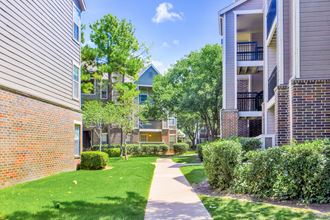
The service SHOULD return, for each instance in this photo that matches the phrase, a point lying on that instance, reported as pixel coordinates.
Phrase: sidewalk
(172, 197)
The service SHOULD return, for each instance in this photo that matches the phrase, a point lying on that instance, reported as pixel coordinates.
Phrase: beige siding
(230, 49)
(287, 45)
(315, 37)
(37, 50)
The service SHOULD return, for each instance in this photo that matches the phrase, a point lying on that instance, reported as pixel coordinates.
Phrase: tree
(192, 86)
(96, 114)
(127, 111)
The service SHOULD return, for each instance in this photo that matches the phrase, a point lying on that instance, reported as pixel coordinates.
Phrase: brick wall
(282, 117)
(310, 109)
(228, 123)
(36, 138)
(243, 128)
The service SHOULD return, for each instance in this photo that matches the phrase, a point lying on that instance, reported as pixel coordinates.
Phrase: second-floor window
(143, 98)
(171, 122)
(75, 81)
(76, 22)
(104, 92)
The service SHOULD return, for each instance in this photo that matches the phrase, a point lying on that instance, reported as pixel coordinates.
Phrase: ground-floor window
(104, 138)
(77, 139)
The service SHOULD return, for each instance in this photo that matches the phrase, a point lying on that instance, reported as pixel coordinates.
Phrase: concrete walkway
(172, 197)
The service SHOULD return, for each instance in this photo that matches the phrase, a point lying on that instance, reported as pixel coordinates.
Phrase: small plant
(112, 152)
(93, 160)
(180, 148)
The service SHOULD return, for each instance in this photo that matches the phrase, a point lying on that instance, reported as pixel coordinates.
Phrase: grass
(229, 208)
(118, 193)
(191, 158)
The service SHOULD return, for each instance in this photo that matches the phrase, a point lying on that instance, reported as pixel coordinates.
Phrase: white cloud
(161, 67)
(164, 13)
(176, 42)
(165, 44)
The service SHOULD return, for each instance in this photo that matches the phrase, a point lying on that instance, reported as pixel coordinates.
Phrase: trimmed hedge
(200, 150)
(93, 160)
(180, 148)
(249, 144)
(290, 172)
(112, 152)
(221, 158)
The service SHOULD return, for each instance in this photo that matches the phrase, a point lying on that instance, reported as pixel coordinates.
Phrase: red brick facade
(282, 117)
(310, 109)
(36, 138)
(229, 123)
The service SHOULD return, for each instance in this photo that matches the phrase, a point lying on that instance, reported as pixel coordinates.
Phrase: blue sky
(171, 28)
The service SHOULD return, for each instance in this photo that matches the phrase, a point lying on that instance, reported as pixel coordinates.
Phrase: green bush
(249, 144)
(146, 149)
(180, 148)
(200, 150)
(93, 160)
(221, 158)
(299, 171)
(112, 152)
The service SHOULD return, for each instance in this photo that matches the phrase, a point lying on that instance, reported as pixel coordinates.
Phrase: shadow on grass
(235, 209)
(194, 174)
(131, 207)
(187, 159)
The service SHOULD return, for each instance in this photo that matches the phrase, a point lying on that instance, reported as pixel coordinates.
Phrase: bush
(180, 148)
(112, 152)
(146, 149)
(249, 144)
(290, 172)
(220, 161)
(93, 160)
(200, 150)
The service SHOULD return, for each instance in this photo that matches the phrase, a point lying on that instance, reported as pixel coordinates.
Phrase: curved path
(172, 197)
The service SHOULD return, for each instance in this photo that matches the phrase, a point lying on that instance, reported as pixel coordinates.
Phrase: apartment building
(276, 66)
(147, 131)
(40, 114)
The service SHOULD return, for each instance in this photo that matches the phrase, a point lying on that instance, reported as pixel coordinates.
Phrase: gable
(146, 78)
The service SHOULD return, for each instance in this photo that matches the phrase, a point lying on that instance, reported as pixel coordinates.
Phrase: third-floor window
(76, 23)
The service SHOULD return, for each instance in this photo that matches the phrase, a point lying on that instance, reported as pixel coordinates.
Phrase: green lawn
(118, 193)
(228, 208)
(191, 158)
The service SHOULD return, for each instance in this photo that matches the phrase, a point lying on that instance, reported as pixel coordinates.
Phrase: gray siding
(315, 37)
(37, 49)
(230, 49)
(287, 44)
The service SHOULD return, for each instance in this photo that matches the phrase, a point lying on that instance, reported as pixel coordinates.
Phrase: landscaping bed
(118, 193)
(226, 205)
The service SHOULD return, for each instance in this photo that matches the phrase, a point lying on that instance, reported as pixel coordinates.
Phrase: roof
(146, 80)
(231, 6)
(82, 5)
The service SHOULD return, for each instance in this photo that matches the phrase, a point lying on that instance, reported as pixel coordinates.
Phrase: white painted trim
(243, 77)
(264, 136)
(296, 38)
(231, 6)
(265, 72)
(247, 12)
(235, 60)
(272, 32)
(80, 138)
(77, 122)
(150, 130)
(270, 103)
(224, 64)
(250, 83)
(75, 64)
(280, 43)
(245, 114)
(249, 63)
(141, 85)
(101, 84)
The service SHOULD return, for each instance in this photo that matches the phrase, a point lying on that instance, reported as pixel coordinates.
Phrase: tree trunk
(100, 139)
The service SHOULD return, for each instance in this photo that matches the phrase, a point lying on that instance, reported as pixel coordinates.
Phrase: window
(172, 122)
(143, 98)
(76, 22)
(104, 92)
(104, 138)
(76, 82)
(77, 141)
(221, 23)
(143, 138)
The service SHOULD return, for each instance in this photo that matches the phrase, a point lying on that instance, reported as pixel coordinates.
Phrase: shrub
(180, 148)
(299, 171)
(249, 144)
(112, 152)
(220, 160)
(93, 160)
(200, 150)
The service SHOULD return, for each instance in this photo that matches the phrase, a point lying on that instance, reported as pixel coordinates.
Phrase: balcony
(150, 125)
(272, 83)
(249, 51)
(249, 101)
(271, 15)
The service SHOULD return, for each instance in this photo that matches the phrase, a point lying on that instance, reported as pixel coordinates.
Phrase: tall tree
(192, 86)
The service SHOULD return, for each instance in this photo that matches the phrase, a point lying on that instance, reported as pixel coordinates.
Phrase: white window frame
(107, 90)
(77, 123)
(75, 64)
(102, 138)
(74, 8)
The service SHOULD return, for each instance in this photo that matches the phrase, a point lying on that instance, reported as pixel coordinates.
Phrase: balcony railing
(150, 125)
(249, 101)
(272, 83)
(271, 15)
(249, 51)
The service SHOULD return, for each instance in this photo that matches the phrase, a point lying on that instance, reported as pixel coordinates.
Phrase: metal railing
(249, 101)
(249, 51)
(150, 125)
(272, 83)
(271, 15)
